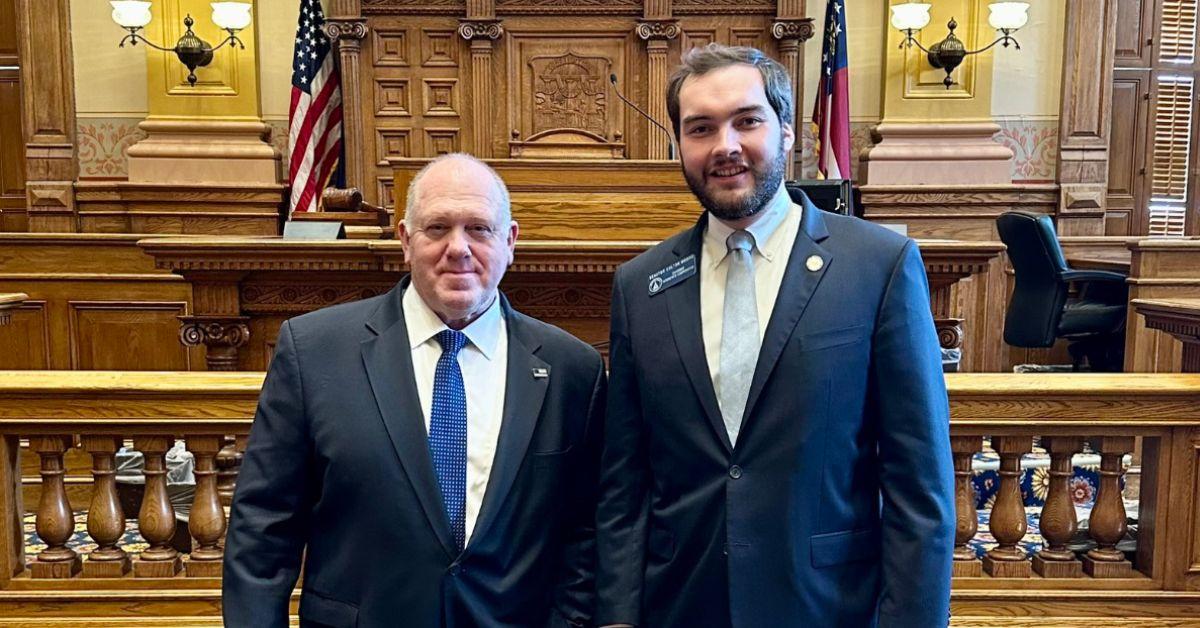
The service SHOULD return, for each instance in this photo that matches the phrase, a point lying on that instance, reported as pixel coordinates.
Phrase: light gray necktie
(739, 333)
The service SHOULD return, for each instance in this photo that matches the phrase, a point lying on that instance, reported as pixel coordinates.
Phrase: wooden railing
(45, 414)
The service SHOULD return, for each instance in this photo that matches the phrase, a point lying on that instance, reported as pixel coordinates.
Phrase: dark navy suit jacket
(836, 507)
(338, 470)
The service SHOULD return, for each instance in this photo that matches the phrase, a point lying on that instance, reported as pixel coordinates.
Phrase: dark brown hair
(699, 61)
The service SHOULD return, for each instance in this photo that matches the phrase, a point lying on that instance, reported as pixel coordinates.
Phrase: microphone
(612, 78)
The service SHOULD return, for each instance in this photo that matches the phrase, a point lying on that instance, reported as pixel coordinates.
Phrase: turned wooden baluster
(55, 522)
(156, 519)
(1107, 524)
(206, 523)
(106, 519)
(1008, 523)
(1058, 522)
(966, 563)
(229, 460)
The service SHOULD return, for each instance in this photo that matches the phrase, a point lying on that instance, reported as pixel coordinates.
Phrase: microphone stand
(612, 78)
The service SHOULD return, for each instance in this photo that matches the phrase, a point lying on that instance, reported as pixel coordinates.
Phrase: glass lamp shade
(131, 13)
(1008, 15)
(231, 15)
(910, 16)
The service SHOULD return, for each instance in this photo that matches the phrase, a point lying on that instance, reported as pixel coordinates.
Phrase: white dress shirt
(484, 364)
(773, 233)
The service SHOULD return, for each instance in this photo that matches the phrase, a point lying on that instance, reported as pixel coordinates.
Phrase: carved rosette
(798, 30)
(353, 30)
(221, 336)
(480, 29)
(649, 30)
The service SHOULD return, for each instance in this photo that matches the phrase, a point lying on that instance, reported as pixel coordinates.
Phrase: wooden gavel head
(338, 199)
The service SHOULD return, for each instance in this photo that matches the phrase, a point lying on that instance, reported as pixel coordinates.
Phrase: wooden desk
(1098, 252)
(1162, 269)
(1117, 262)
(244, 288)
(1181, 319)
(8, 303)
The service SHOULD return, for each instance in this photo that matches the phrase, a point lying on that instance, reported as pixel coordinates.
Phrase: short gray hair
(410, 201)
(699, 61)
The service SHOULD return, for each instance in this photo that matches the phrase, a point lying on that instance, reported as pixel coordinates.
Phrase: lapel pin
(814, 263)
(541, 373)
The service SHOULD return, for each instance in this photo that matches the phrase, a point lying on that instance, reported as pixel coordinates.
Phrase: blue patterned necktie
(448, 432)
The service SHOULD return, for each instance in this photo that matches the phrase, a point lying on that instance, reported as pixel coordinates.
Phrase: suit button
(455, 570)
(735, 472)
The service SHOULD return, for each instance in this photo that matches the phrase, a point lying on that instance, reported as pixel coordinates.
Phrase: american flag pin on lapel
(814, 263)
(540, 373)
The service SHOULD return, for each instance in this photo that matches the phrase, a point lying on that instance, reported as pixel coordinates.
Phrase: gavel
(347, 200)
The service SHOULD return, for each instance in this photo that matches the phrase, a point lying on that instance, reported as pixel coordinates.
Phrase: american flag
(315, 115)
(831, 112)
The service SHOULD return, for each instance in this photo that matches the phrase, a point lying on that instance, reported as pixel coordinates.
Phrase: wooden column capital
(471, 30)
(793, 31)
(651, 30)
(347, 31)
(221, 336)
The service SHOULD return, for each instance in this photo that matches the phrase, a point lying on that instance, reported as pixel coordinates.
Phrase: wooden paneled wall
(12, 145)
(95, 302)
(529, 78)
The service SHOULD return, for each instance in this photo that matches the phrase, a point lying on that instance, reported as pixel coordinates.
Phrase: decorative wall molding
(560, 301)
(296, 298)
(711, 7)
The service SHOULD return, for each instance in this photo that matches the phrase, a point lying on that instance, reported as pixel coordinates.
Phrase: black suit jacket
(338, 471)
(836, 507)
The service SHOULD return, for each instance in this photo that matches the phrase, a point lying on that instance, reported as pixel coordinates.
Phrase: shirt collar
(760, 231)
(423, 324)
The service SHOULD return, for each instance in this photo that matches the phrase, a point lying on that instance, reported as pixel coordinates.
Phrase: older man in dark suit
(776, 448)
(429, 456)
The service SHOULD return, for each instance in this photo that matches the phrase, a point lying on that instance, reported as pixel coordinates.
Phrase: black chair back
(832, 195)
(1040, 293)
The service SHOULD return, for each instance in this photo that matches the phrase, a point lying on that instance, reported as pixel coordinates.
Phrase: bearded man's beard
(766, 184)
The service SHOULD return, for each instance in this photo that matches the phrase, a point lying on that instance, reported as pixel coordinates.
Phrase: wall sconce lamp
(947, 54)
(192, 51)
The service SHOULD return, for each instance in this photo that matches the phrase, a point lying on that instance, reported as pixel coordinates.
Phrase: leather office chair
(832, 195)
(1042, 308)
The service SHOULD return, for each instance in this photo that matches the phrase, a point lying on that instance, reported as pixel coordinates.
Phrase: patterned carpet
(131, 542)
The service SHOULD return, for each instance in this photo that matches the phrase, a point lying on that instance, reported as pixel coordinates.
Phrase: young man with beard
(776, 449)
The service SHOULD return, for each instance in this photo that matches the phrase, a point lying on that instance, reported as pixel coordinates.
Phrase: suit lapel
(523, 397)
(799, 284)
(388, 361)
(683, 312)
